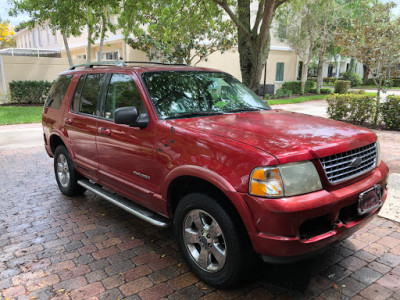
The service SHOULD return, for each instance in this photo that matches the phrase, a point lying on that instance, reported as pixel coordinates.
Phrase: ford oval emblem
(356, 162)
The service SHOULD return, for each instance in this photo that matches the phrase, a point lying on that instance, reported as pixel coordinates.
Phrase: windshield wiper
(253, 108)
(195, 114)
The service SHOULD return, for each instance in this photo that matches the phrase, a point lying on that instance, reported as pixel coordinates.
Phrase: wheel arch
(191, 179)
(57, 140)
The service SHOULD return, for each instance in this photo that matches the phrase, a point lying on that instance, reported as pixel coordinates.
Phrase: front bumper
(296, 226)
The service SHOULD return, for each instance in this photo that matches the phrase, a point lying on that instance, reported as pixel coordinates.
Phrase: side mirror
(126, 115)
(129, 116)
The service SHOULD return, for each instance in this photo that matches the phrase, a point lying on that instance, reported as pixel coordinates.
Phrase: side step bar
(125, 204)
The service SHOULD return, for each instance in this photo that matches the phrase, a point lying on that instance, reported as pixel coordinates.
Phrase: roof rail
(118, 63)
(153, 63)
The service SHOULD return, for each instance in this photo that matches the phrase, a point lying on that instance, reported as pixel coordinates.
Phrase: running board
(125, 204)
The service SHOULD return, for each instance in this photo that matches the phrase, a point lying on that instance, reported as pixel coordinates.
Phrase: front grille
(343, 166)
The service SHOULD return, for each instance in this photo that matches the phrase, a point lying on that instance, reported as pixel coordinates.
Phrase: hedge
(353, 108)
(295, 86)
(29, 91)
(396, 82)
(342, 86)
(390, 112)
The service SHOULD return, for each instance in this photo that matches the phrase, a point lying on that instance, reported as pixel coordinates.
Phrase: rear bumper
(293, 227)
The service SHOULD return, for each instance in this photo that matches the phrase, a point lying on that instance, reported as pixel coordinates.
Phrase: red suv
(196, 146)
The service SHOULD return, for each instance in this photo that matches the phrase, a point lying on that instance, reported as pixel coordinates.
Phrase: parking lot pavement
(58, 247)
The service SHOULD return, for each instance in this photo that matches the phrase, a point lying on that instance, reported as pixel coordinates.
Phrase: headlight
(378, 153)
(284, 180)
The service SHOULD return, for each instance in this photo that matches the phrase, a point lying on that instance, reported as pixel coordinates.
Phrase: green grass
(296, 100)
(20, 114)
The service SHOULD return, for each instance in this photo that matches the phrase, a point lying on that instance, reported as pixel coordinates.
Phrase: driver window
(122, 91)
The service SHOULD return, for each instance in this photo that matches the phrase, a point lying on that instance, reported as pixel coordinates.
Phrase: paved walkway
(57, 247)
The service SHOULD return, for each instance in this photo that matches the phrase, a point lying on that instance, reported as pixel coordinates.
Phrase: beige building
(282, 63)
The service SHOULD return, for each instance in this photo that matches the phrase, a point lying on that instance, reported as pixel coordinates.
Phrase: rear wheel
(210, 241)
(66, 175)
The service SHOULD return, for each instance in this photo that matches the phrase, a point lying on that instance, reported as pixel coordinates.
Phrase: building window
(282, 30)
(81, 56)
(48, 34)
(33, 39)
(113, 55)
(39, 37)
(279, 71)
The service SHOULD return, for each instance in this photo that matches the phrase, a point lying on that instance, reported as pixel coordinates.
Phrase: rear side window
(57, 91)
(122, 91)
(87, 94)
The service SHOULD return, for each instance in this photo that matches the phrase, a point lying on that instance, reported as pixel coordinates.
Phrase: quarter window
(122, 92)
(57, 91)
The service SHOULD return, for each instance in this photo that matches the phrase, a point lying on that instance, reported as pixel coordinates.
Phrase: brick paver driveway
(52, 246)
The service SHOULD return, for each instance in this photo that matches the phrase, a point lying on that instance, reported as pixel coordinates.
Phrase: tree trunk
(67, 49)
(365, 73)
(352, 67)
(320, 78)
(304, 74)
(378, 98)
(103, 32)
(253, 50)
(89, 46)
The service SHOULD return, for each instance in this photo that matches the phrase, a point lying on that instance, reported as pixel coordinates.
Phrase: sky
(4, 7)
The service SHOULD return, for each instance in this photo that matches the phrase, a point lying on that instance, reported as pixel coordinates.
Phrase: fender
(221, 183)
(59, 134)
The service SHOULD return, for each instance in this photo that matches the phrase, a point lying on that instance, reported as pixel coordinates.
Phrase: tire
(212, 244)
(66, 175)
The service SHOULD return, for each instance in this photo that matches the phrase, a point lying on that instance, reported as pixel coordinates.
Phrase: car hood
(286, 135)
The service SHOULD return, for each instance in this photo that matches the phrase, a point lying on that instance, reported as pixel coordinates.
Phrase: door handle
(104, 131)
(68, 121)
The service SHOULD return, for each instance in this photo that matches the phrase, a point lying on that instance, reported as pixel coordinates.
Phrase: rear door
(81, 122)
(126, 159)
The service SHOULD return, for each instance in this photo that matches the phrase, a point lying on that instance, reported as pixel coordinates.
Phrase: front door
(125, 153)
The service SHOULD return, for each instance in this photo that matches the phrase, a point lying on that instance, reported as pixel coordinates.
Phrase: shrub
(283, 93)
(280, 93)
(329, 80)
(357, 92)
(326, 91)
(370, 81)
(295, 86)
(352, 108)
(390, 112)
(342, 86)
(29, 91)
(354, 78)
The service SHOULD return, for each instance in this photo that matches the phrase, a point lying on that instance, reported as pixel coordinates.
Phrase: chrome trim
(141, 175)
(343, 160)
(127, 205)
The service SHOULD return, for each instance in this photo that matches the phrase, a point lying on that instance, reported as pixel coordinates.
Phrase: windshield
(183, 94)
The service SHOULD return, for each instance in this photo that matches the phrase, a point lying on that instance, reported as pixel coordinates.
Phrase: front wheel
(66, 175)
(210, 241)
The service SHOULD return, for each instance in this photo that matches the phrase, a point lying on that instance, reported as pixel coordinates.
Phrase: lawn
(20, 114)
(296, 100)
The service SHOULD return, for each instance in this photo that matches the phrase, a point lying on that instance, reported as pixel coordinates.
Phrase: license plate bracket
(369, 200)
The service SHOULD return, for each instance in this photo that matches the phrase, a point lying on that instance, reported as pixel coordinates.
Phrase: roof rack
(153, 63)
(118, 63)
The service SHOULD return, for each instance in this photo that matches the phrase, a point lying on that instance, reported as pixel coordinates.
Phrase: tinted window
(77, 96)
(57, 91)
(90, 94)
(122, 91)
